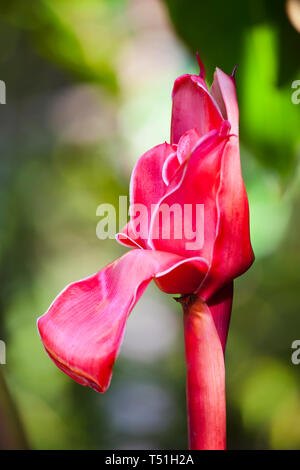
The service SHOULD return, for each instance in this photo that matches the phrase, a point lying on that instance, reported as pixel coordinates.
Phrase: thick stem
(205, 377)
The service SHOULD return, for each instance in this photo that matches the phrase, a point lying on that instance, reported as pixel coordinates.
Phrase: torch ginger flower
(83, 329)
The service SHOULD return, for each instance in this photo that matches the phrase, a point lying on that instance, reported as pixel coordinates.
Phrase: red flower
(83, 328)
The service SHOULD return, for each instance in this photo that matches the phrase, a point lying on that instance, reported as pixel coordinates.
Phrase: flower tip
(201, 66)
(234, 70)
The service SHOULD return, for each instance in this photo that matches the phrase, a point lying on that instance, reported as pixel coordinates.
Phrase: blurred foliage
(217, 29)
(270, 122)
(258, 36)
(88, 89)
(83, 37)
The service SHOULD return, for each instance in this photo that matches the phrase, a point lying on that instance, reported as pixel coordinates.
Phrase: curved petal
(191, 197)
(170, 167)
(147, 185)
(186, 144)
(83, 329)
(232, 251)
(127, 237)
(184, 277)
(223, 91)
(193, 107)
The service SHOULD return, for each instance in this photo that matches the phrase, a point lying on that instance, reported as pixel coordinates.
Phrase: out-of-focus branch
(12, 435)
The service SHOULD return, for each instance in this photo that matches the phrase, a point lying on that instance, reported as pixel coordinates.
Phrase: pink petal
(147, 185)
(193, 107)
(186, 144)
(232, 251)
(127, 237)
(184, 277)
(170, 168)
(83, 329)
(223, 91)
(195, 184)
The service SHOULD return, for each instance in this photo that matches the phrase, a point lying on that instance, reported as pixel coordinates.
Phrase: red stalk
(205, 386)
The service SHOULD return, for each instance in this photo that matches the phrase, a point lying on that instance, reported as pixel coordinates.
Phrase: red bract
(83, 328)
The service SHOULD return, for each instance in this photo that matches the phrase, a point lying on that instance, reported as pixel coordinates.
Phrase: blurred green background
(88, 91)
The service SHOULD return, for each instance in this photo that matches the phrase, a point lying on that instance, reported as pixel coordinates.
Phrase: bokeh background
(88, 91)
